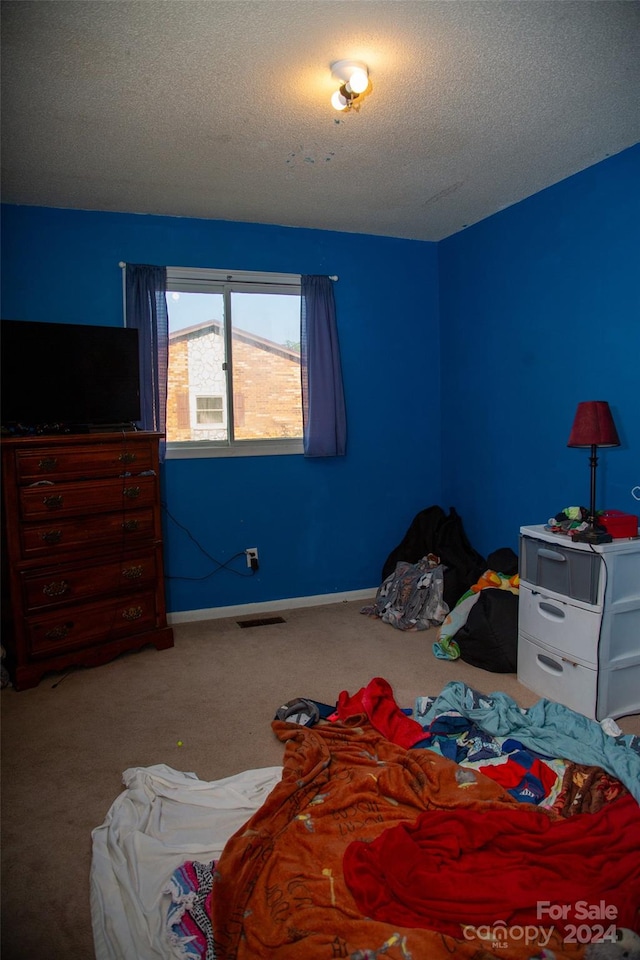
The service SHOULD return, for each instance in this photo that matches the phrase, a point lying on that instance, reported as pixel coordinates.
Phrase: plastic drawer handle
(551, 555)
(548, 610)
(548, 664)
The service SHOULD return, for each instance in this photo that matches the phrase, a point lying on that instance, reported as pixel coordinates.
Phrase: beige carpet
(66, 743)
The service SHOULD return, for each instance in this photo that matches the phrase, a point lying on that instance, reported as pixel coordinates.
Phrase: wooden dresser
(82, 570)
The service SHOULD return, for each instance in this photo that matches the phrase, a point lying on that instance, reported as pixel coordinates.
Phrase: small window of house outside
(234, 383)
(208, 410)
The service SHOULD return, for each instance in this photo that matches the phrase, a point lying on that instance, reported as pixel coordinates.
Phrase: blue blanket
(546, 727)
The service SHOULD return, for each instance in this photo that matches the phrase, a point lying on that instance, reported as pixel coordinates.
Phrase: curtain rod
(122, 265)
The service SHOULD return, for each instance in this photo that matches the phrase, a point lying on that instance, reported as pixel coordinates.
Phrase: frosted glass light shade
(338, 102)
(359, 81)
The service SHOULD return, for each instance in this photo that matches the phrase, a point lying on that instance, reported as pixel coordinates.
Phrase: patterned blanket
(189, 917)
(280, 891)
(379, 844)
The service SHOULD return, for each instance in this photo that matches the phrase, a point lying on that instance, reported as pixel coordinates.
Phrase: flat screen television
(66, 376)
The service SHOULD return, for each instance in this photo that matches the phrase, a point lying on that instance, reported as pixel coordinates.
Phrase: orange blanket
(279, 891)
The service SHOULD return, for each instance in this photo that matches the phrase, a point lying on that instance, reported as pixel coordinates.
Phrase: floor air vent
(262, 622)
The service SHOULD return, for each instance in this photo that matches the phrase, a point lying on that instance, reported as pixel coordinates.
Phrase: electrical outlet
(252, 554)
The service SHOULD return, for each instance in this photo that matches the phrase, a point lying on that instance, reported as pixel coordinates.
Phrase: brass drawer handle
(133, 573)
(127, 457)
(52, 536)
(53, 502)
(132, 613)
(58, 633)
(48, 463)
(130, 525)
(56, 588)
(131, 492)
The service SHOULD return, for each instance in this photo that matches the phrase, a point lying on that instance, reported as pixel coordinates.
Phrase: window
(208, 409)
(234, 363)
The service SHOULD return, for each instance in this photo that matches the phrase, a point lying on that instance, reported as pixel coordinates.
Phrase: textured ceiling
(220, 108)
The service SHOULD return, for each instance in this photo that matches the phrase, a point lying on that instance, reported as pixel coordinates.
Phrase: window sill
(198, 449)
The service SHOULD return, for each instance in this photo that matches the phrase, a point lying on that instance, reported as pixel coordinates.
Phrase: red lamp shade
(593, 426)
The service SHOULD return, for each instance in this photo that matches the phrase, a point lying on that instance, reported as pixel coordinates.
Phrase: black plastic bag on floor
(489, 638)
(433, 532)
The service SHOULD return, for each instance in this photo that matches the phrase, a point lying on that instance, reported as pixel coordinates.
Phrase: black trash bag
(419, 540)
(489, 638)
(503, 561)
(432, 531)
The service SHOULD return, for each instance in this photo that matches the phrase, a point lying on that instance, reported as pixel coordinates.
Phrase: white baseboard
(217, 613)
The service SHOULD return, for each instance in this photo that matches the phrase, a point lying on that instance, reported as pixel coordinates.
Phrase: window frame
(207, 280)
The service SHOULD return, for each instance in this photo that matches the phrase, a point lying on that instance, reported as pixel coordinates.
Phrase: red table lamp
(593, 427)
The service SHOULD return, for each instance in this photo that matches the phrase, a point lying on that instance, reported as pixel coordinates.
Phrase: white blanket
(161, 820)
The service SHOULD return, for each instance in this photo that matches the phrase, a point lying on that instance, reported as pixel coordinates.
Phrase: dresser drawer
(572, 573)
(89, 624)
(70, 583)
(85, 462)
(574, 631)
(555, 678)
(60, 536)
(71, 499)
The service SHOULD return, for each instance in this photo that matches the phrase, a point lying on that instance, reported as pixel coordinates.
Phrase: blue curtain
(323, 410)
(146, 311)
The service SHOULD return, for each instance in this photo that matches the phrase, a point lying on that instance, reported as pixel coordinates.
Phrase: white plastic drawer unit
(570, 629)
(579, 622)
(574, 574)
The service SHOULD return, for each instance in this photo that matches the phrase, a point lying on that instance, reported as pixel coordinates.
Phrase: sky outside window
(272, 316)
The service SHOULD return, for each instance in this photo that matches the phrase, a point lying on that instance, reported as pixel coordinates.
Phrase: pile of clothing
(569, 520)
(435, 578)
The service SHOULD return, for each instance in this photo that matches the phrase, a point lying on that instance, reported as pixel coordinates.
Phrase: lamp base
(592, 534)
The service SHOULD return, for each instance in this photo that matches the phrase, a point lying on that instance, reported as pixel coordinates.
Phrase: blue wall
(321, 526)
(463, 365)
(540, 309)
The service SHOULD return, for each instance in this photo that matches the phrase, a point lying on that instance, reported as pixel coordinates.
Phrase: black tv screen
(65, 375)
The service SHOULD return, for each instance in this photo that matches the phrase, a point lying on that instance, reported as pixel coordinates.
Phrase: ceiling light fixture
(354, 77)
